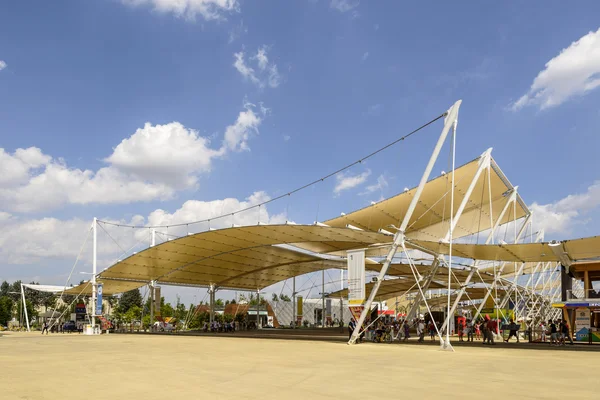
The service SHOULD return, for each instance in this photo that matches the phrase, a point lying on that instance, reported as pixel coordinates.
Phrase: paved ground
(182, 367)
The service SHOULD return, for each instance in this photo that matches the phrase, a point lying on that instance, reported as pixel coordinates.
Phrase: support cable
(359, 161)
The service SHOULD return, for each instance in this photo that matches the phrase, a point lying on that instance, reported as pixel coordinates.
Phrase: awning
(577, 249)
(430, 220)
(242, 257)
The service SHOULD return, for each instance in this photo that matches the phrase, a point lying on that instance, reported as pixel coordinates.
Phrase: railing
(580, 294)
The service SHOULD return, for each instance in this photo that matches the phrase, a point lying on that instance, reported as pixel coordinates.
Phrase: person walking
(469, 330)
(351, 327)
(406, 330)
(565, 334)
(513, 331)
(45, 327)
(553, 333)
(421, 330)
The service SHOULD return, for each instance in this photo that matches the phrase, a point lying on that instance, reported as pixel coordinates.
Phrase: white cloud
(267, 74)
(286, 138)
(2, 65)
(261, 58)
(246, 71)
(46, 240)
(381, 184)
(346, 181)
(574, 72)
(344, 5)
(365, 56)
(153, 163)
(169, 153)
(237, 135)
(207, 9)
(563, 215)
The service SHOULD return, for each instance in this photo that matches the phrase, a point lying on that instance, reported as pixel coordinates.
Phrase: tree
(129, 300)
(6, 306)
(275, 298)
(219, 303)
(285, 297)
(4, 289)
(166, 310)
(232, 302)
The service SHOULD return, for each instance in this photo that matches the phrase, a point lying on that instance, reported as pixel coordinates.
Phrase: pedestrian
(543, 332)
(565, 334)
(469, 330)
(513, 329)
(45, 327)
(553, 333)
(421, 330)
(351, 327)
(478, 330)
(461, 331)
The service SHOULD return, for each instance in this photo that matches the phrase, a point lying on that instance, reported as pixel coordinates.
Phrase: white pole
(153, 243)
(25, 307)
(451, 117)
(94, 266)
(452, 222)
(294, 302)
(323, 299)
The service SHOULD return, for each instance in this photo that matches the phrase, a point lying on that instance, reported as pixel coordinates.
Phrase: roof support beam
(449, 122)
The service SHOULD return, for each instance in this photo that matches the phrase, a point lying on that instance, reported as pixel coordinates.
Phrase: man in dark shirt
(564, 331)
(553, 333)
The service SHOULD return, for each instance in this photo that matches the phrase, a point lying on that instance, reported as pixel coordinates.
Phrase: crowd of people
(486, 329)
(558, 330)
(216, 326)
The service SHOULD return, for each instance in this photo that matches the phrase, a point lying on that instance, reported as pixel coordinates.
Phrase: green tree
(166, 310)
(275, 297)
(4, 289)
(6, 306)
(285, 297)
(219, 303)
(130, 299)
(180, 312)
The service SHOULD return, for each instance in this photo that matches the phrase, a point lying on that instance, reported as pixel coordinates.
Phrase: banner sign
(99, 299)
(356, 276)
(157, 301)
(582, 324)
(299, 311)
(356, 311)
(80, 308)
(328, 308)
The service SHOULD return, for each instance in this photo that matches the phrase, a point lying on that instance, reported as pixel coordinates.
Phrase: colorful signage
(99, 299)
(582, 324)
(356, 311)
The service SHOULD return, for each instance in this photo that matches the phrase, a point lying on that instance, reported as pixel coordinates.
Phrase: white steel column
(94, 266)
(151, 284)
(484, 163)
(294, 302)
(211, 292)
(499, 272)
(323, 299)
(449, 121)
(25, 307)
(476, 262)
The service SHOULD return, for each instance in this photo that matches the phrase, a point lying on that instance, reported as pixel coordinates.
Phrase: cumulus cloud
(2, 65)
(573, 72)
(237, 135)
(265, 74)
(153, 163)
(562, 216)
(207, 9)
(27, 241)
(345, 181)
(344, 5)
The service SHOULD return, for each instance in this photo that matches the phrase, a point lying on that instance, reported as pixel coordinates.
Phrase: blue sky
(262, 97)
